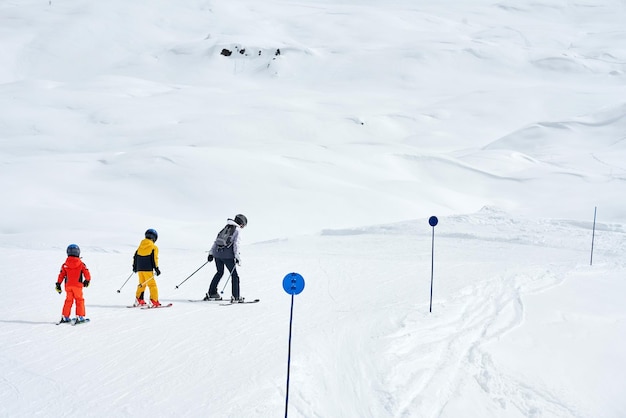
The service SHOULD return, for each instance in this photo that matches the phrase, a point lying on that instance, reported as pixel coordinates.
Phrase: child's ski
(156, 307)
(72, 321)
(75, 321)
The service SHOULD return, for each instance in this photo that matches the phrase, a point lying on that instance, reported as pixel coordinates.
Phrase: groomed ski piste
(521, 323)
(505, 120)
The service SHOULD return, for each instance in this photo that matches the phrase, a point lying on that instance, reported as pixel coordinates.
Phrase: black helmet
(73, 250)
(152, 235)
(241, 220)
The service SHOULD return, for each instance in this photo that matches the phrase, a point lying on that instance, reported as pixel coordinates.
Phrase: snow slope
(504, 119)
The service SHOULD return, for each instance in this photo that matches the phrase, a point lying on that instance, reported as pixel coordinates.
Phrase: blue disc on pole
(433, 221)
(293, 283)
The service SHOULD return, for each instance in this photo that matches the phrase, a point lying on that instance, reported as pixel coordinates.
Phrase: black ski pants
(230, 265)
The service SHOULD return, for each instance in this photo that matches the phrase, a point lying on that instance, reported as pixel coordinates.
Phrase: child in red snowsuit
(76, 276)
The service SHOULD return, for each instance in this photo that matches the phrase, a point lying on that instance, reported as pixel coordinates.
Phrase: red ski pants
(74, 293)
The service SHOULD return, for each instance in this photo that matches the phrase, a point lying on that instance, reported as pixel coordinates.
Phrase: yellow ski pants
(147, 279)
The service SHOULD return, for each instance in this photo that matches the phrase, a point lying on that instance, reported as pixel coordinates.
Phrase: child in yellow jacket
(145, 261)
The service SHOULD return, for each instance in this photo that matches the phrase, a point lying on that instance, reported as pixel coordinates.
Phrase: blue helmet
(151, 234)
(73, 250)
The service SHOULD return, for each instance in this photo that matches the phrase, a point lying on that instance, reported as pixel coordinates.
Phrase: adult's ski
(210, 300)
(240, 303)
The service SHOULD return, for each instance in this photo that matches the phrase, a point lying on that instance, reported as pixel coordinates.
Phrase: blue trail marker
(432, 221)
(293, 283)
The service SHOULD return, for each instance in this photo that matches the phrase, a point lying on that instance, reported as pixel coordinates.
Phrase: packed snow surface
(338, 129)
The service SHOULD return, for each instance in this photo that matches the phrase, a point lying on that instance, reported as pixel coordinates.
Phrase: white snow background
(505, 119)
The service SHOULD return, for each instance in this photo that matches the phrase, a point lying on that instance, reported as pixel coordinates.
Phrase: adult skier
(225, 252)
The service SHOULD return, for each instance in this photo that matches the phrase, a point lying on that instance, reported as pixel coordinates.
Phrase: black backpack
(225, 237)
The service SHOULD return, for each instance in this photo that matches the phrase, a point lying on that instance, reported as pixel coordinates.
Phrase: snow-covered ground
(338, 129)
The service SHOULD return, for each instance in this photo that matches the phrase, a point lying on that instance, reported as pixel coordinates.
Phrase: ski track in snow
(447, 353)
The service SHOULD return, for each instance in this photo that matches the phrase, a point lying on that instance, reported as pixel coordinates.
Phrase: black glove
(86, 283)
(210, 258)
(158, 272)
(58, 288)
(134, 269)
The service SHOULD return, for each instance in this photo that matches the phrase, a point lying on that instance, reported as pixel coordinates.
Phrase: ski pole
(593, 235)
(227, 280)
(131, 275)
(192, 274)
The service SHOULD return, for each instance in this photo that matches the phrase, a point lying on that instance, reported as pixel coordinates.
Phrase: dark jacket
(146, 257)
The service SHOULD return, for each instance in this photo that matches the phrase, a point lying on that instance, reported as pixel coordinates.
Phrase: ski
(72, 321)
(76, 322)
(240, 303)
(210, 300)
(157, 307)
